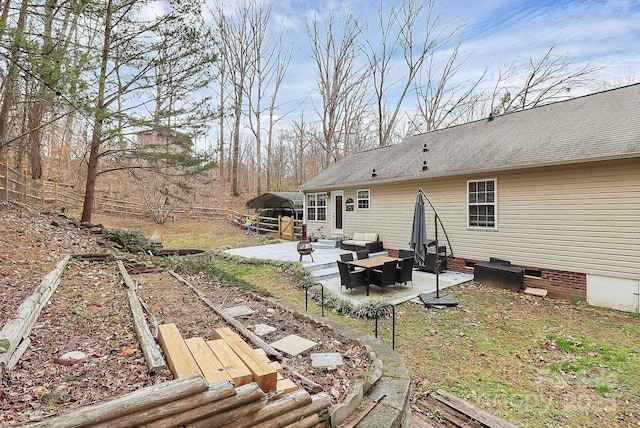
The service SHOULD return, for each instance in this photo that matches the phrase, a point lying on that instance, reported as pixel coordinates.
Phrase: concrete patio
(325, 270)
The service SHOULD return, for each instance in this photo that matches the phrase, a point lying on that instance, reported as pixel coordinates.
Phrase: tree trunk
(10, 78)
(96, 138)
(236, 142)
(35, 140)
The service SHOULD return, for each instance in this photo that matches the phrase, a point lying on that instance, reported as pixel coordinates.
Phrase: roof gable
(592, 127)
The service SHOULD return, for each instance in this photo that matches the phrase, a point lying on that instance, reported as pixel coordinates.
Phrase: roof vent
(424, 166)
(374, 173)
(424, 148)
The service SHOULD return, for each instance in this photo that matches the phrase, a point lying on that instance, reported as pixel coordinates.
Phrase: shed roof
(294, 200)
(600, 126)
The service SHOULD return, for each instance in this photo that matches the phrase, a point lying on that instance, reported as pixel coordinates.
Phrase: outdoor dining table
(373, 262)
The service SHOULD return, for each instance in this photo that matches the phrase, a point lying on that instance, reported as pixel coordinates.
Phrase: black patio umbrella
(419, 245)
(418, 241)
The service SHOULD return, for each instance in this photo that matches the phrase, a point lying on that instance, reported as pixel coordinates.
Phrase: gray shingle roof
(604, 125)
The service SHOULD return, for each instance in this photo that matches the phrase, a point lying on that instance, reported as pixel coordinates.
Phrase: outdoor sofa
(362, 241)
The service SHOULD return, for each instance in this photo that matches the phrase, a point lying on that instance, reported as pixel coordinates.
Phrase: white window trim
(495, 203)
(358, 200)
(326, 207)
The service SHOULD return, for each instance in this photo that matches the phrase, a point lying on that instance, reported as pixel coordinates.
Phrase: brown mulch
(30, 247)
(89, 312)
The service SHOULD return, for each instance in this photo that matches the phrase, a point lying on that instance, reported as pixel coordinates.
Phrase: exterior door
(337, 202)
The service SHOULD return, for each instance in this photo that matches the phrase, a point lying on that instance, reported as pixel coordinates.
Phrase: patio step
(327, 273)
(324, 243)
(320, 266)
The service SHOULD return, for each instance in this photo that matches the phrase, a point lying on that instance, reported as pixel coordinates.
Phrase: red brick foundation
(559, 284)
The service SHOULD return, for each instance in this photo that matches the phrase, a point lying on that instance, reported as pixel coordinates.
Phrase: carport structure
(293, 200)
(278, 211)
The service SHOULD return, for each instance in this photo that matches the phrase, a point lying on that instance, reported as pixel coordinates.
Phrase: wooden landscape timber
(287, 403)
(236, 369)
(193, 402)
(150, 349)
(467, 411)
(181, 362)
(151, 397)
(263, 373)
(211, 367)
(14, 336)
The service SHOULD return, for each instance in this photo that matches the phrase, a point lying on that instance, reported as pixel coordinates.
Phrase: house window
(363, 199)
(317, 206)
(481, 197)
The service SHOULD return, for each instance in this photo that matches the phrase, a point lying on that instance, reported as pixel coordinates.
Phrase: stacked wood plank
(14, 336)
(227, 357)
(263, 374)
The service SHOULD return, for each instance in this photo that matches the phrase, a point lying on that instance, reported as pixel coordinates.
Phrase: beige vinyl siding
(580, 218)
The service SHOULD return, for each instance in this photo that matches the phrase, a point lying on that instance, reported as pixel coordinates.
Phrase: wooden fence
(19, 187)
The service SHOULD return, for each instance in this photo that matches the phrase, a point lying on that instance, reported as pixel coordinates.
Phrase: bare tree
(547, 79)
(441, 99)
(408, 28)
(340, 79)
(234, 27)
(9, 83)
(281, 63)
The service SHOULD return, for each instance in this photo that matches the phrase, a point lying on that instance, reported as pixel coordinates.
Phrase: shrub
(130, 240)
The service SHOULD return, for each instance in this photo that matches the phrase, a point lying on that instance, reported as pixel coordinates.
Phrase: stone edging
(390, 375)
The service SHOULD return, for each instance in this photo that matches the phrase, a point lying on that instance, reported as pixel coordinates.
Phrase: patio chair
(363, 254)
(350, 279)
(404, 272)
(403, 254)
(384, 277)
(348, 257)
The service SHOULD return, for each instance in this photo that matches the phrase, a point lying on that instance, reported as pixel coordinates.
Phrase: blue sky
(498, 33)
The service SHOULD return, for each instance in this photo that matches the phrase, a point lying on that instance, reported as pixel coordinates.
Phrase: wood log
(216, 392)
(211, 368)
(244, 395)
(28, 306)
(154, 320)
(308, 422)
(285, 404)
(11, 335)
(286, 386)
(93, 256)
(222, 419)
(318, 402)
(236, 369)
(150, 349)
(16, 329)
(468, 409)
(263, 374)
(142, 399)
(307, 383)
(53, 277)
(181, 362)
(245, 332)
(15, 356)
